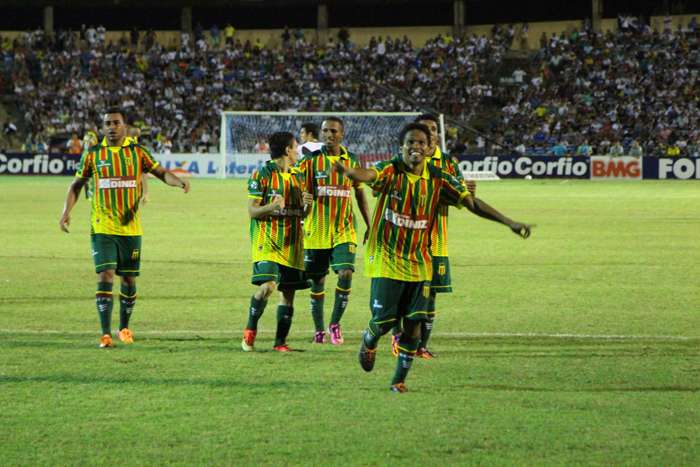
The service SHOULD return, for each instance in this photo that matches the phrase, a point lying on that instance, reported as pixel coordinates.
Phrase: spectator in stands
(635, 149)
(229, 32)
(616, 149)
(673, 150)
(584, 149)
(560, 149)
(74, 145)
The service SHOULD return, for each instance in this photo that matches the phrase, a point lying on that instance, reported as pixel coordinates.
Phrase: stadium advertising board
(672, 168)
(617, 168)
(38, 164)
(520, 167)
(208, 165)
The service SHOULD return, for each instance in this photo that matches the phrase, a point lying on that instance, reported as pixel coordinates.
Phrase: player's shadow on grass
(107, 380)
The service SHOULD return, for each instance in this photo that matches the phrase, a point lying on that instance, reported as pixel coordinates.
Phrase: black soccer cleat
(366, 356)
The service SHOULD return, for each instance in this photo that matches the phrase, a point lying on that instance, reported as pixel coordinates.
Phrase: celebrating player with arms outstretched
(115, 168)
(329, 232)
(398, 257)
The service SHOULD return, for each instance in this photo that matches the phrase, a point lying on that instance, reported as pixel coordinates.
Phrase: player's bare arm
(482, 209)
(362, 202)
(256, 211)
(356, 174)
(71, 198)
(307, 200)
(171, 179)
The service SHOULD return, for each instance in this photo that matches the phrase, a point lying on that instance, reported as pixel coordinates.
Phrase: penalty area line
(497, 335)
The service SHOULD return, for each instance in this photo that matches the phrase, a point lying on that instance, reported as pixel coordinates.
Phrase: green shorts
(340, 257)
(286, 278)
(391, 299)
(442, 281)
(121, 253)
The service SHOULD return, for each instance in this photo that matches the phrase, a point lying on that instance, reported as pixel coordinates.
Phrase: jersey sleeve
(255, 186)
(304, 168)
(384, 174)
(86, 165)
(453, 164)
(147, 161)
(452, 190)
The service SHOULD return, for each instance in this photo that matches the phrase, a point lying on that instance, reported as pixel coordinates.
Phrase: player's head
(415, 142)
(332, 130)
(433, 124)
(308, 132)
(114, 125)
(283, 144)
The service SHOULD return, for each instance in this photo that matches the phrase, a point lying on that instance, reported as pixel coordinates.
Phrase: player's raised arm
(483, 209)
(357, 174)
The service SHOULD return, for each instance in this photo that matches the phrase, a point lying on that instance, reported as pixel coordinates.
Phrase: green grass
(577, 346)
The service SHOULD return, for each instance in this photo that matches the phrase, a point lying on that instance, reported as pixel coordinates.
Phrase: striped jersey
(438, 237)
(331, 221)
(115, 177)
(278, 237)
(402, 222)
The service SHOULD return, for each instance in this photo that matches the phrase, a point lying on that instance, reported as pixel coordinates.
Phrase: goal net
(372, 136)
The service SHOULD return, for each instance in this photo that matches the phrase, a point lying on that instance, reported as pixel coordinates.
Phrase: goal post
(372, 136)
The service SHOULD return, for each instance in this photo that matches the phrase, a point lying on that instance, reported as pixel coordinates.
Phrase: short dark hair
(115, 110)
(431, 117)
(310, 128)
(335, 119)
(411, 127)
(279, 142)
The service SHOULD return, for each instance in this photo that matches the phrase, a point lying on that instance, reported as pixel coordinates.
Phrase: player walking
(329, 232)
(276, 207)
(115, 168)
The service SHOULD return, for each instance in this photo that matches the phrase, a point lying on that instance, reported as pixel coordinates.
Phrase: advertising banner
(523, 166)
(209, 165)
(616, 168)
(38, 164)
(672, 168)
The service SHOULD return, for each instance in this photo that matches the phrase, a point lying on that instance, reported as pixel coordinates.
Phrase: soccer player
(329, 232)
(398, 258)
(115, 168)
(441, 281)
(276, 207)
(309, 138)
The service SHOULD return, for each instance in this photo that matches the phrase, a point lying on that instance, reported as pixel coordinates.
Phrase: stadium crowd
(176, 93)
(634, 91)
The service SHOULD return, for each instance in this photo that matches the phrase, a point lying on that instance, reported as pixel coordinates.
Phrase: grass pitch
(577, 346)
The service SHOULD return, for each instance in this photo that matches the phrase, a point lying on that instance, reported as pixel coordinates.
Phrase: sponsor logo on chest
(336, 191)
(116, 182)
(407, 222)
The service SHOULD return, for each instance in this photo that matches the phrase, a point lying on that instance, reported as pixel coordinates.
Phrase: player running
(398, 251)
(276, 207)
(115, 168)
(329, 232)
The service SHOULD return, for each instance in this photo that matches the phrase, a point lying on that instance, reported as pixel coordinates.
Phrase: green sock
(284, 322)
(342, 291)
(407, 351)
(426, 327)
(257, 307)
(127, 300)
(317, 298)
(104, 302)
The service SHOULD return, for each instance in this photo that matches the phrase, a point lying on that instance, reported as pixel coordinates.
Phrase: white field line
(504, 335)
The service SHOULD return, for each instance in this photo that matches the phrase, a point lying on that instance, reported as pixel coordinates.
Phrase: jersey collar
(437, 154)
(343, 152)
(127, 142)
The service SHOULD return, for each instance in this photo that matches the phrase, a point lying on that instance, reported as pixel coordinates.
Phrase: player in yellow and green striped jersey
(277, 204)
(398, 257)
(442, 280)
(330, 238)
(114, 169)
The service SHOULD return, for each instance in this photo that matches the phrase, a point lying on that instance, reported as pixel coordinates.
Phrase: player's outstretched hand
(471, 187)
(185, 185)
(307, 198)
(522, 230)
(64, 223)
